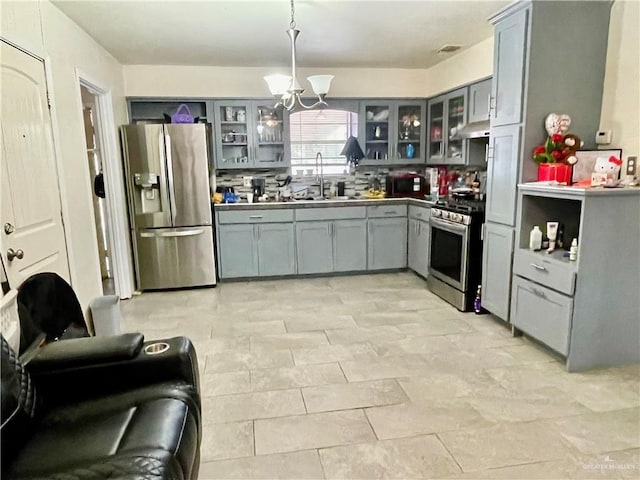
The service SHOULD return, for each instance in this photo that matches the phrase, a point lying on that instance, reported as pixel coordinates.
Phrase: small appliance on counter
(257, 187)
(406, 184)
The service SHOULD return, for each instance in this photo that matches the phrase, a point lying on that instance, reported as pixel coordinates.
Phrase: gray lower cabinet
(276, 250)
(238, 253)
(315, 248)
(496, 268)
(418, 247)
(331, 246)
(542, 312)
(387, 241)
(349, 245)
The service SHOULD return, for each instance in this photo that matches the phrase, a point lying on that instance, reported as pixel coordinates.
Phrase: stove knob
(456, 217)
(445, 214)
(435, 212)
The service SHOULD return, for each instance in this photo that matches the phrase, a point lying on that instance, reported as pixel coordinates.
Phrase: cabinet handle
(489, 104)
(539, 267)
(255, 216)
(391, 213)
(538, 293)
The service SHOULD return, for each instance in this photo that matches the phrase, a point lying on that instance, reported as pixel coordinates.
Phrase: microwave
(407, 184)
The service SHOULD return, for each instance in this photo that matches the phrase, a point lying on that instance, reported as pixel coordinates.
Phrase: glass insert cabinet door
(377, 126)
(270, 134)
(436, 129)
(456, 119)
(234, 136)
(410, 125)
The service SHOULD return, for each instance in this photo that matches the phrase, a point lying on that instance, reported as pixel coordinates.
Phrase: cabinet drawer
(329, 213)
(419, 213)
(380, 211)
(255, 216)
(546, 271)
(542, 313)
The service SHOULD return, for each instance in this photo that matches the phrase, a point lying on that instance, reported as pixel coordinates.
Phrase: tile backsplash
(358, 182)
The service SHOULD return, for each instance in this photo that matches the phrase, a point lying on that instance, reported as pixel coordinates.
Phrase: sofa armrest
(78, 352)
(92, 379)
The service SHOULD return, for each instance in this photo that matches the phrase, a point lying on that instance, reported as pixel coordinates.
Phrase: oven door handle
(448, 226)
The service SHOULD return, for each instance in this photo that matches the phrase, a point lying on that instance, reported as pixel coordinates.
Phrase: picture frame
(587, 161)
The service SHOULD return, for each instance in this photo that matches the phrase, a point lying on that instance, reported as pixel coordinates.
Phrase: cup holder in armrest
(156, 348)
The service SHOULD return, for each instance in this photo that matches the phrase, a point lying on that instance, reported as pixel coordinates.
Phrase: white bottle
(535, 238)
(573, 251)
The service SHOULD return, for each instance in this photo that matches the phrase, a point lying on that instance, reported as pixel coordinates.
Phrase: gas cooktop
(461, 205)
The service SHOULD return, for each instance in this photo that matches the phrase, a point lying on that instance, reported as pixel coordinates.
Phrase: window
(324, 131)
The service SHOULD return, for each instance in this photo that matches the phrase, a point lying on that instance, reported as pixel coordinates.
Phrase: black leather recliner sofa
(101, 408)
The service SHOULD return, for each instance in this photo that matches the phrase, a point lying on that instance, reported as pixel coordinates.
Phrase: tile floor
(373, 376)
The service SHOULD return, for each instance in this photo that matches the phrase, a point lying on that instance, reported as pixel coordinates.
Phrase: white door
(32, 231)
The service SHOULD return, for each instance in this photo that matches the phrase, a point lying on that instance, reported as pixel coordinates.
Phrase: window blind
(324, 131)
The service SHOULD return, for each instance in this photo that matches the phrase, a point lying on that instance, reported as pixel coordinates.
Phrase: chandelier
(287, 89)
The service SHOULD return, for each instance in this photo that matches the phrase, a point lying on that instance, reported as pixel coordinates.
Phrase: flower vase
(560, 172)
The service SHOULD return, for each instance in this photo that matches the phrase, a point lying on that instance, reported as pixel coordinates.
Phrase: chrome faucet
(320, 173)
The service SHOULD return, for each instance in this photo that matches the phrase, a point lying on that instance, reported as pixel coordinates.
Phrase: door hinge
(48, 101)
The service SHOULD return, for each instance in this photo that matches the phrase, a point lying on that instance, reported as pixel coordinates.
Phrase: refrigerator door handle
(164, 195)
(177, 233)
(172, 191)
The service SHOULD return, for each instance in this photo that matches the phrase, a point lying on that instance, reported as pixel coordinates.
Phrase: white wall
(621, 98)
(205, 81)
(40, 26)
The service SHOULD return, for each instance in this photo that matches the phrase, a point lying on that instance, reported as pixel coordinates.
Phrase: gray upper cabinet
(502, 174)
(251, 134)
(392, 131)
(237, 250)
(446, 115)
(496, 269)
(387, 239)
(509, 51)
(349, 245)
(479, 100)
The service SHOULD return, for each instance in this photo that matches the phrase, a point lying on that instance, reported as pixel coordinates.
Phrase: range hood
(473, 130)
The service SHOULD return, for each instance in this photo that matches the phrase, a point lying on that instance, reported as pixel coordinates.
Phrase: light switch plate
(246, 181)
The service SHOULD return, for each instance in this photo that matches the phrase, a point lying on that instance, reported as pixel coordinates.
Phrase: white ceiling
(350, 34)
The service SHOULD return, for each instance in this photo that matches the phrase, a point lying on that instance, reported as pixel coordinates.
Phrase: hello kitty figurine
(606, 171)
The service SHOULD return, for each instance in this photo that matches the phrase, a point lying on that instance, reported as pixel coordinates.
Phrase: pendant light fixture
(287, 89)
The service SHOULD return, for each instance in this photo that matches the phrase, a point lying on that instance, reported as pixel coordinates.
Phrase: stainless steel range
(455, 252)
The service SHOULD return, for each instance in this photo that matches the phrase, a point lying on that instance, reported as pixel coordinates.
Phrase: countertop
(322, 203)
(577, 191)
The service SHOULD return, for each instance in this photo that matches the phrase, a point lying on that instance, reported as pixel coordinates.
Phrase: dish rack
(10, 326)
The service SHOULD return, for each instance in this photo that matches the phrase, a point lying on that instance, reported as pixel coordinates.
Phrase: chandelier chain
(292, 25)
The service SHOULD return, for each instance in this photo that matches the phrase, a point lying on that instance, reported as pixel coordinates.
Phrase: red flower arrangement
(558, 148)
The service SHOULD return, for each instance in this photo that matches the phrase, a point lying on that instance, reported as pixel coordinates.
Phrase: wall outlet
(246, 181)
(632, 166)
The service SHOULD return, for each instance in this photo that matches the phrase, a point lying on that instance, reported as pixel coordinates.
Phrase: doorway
(96, 175)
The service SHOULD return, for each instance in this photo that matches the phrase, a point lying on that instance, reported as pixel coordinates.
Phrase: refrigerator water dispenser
(148, 200)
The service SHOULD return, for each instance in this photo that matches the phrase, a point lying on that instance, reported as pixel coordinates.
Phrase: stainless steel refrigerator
(167, 172)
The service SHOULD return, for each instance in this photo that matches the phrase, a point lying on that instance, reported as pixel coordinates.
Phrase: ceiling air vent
(449, 49)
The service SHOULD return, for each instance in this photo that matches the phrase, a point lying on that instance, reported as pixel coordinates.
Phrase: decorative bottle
(573, 251)
(477, 303)
(535, 238)
(410, 150)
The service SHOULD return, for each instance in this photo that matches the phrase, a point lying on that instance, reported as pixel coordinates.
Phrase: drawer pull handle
(255, 216)
(390, 213)
(539, 293)
(539, 267)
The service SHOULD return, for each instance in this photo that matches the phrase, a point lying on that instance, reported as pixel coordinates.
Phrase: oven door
(448, 252)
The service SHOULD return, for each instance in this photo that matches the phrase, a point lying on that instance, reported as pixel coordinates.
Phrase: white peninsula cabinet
(587, 310)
